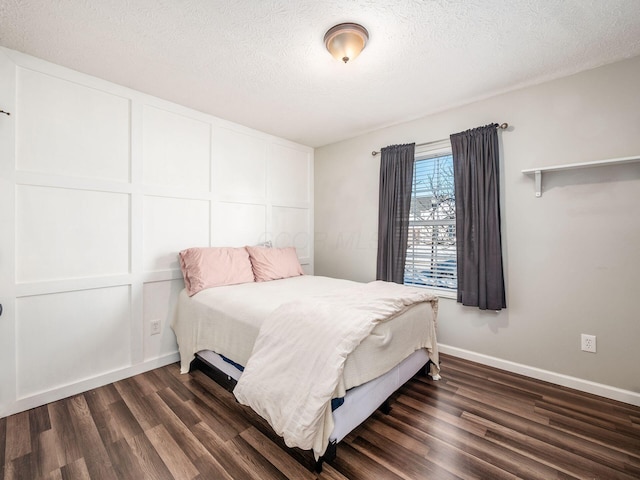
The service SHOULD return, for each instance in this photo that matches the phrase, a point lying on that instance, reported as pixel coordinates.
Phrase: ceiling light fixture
(346, 40)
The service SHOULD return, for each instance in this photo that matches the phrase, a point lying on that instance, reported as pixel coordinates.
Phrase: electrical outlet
(155, 327)
(588, 343)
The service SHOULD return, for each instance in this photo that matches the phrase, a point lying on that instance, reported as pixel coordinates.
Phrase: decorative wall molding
(104, 186)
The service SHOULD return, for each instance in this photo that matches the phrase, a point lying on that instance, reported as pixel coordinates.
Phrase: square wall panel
(159, 303)
(175, 150)
(64, 128)
(64, 233)
(240, 168)
(289, 175)
(171, 225)
(67, 337)
(238, 224)
(290, 228)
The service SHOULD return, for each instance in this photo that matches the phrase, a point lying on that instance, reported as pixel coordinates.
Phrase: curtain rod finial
(503, 126)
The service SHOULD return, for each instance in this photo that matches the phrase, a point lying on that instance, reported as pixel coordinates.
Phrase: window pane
(431, 252)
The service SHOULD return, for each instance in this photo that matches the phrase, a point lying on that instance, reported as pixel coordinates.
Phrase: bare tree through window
(431, 252)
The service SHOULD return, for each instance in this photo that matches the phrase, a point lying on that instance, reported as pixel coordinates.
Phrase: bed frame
(359, 402)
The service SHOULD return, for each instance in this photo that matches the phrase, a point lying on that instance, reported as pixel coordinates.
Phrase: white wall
(572, 256)
(100, 187)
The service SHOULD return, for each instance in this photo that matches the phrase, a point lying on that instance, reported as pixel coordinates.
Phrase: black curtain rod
(502, 126)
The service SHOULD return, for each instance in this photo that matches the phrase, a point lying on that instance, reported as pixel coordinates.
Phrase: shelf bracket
(538, 180)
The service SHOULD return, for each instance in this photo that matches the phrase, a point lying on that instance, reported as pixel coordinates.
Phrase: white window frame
(431, 150)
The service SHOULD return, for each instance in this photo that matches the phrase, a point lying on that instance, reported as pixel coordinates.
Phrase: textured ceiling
(262, 63)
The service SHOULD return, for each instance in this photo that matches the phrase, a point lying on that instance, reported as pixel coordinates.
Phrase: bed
(228, 328)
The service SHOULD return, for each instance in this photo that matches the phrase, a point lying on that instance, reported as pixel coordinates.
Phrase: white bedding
(299, 355)
(227, 321)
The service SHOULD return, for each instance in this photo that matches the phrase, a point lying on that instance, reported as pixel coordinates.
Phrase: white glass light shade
(346, 40)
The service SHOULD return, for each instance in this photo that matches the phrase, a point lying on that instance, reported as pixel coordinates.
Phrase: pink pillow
(214, 266)
(274, 263)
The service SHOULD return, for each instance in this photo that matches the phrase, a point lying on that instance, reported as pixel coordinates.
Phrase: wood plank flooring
(477, 422)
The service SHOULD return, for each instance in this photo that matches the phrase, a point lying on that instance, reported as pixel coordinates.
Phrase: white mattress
(227, 320)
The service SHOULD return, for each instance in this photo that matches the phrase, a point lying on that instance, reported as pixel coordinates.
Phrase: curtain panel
(478, 235)
(396, 176)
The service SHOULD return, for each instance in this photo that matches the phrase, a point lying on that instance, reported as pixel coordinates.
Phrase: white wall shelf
(537, 172)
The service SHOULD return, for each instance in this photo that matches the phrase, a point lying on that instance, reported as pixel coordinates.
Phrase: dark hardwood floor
(477, 422)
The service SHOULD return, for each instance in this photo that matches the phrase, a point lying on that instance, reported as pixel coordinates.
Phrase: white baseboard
(626, 396)
(65, 391)
(602, 390)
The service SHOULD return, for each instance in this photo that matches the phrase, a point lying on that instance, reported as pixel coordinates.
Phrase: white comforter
(300, 352)
(227, 320)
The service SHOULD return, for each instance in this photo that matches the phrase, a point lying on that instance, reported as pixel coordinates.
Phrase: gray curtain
(478, 236)
(396, 176)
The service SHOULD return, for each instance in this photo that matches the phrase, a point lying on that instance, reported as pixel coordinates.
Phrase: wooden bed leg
(329, 455)
(427, 368)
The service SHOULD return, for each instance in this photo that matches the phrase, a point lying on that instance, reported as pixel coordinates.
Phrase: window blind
(431, 251)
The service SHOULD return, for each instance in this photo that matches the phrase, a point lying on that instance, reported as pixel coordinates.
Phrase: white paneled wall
(240, 166)
(291, 228)
(169, 224)
(70, 233)
(286, 179)
(101, 187)
(65, 337)
(175, 150)
(238, 224)
(65, 128)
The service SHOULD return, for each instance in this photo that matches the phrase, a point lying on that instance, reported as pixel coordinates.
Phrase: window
(431, 250)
